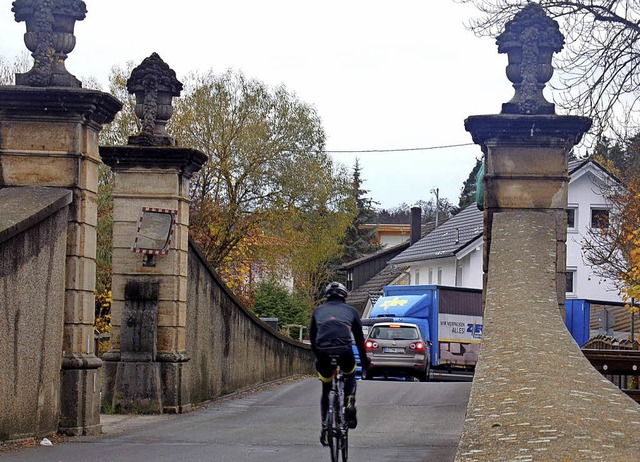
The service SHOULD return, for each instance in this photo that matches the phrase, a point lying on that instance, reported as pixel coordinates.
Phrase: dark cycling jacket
(332, 326)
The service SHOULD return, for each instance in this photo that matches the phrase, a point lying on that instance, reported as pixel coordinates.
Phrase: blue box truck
(450, 319)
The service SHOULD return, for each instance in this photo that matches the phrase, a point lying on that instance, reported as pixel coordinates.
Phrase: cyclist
(333, 326)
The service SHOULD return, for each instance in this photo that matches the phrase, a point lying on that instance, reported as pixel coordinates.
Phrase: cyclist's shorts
(346, 361)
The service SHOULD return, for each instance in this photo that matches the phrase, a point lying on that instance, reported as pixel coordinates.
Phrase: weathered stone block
(171, 339)
(183, 212)
(517, 193)
(139, 322)
(39, 135)
(20, 170)
(168, 313)
(88, 207)
(81, 239)
(77, 338)
(80, 416)
(79, 306)
(175, 393)
(89, 175)
(156, 183)
(81, 273)
(521, 160)
(166, 339)
(137, 388)
(181, 238)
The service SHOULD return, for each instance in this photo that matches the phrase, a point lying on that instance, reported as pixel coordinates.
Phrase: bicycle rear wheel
(333, 428)
(344, 445)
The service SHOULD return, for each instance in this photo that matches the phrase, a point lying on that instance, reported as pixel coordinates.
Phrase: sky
(381, 75)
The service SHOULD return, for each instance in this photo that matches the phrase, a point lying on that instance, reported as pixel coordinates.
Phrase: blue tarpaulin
(402, 306)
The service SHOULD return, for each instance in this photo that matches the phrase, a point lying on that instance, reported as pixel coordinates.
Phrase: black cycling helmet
(335, 289)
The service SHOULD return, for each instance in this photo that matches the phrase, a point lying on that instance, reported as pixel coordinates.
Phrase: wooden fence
(618, 361)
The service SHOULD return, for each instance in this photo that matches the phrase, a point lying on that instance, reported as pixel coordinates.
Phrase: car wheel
(426, 375)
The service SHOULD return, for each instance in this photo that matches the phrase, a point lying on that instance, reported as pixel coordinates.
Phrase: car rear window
(394, 333)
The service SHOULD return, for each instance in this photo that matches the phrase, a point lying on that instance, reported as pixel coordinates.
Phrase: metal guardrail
(622, 367)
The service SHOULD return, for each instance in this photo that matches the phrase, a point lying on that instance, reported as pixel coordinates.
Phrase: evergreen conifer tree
(360, 241)
(468, 191)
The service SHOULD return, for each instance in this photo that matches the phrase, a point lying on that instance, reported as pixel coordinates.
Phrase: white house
(586, 208)
(451, 254)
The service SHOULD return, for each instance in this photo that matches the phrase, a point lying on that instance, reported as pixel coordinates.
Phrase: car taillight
(369, 345)
(417, 346)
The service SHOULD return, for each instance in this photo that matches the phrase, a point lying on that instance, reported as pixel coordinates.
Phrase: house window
(571, 277)
(572, 218)
(599, 218)
(439, 276)
(417, 277)
(430, 275)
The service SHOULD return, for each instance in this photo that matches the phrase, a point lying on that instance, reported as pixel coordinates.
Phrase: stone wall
(33, 239)
(230, 348)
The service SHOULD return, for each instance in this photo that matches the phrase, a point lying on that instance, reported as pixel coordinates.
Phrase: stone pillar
(149, 287)
(49, 137)
(526, 169)
(534, 394)
(526, 146)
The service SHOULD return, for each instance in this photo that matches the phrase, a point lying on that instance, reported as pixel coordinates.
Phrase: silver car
(397, 349)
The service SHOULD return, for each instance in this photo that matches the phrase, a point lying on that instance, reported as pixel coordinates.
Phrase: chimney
(416, 224)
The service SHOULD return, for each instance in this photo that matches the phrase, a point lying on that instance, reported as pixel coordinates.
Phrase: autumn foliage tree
(268, 203)
(125, 123)
(269, 199)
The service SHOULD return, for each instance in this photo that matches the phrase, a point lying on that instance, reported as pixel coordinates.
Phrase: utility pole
(436, 191)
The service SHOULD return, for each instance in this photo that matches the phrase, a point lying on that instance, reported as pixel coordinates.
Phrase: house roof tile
(373, 256)
(358, 298)
(446, 239)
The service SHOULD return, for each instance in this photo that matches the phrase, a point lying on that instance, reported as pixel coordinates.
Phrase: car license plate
(393, 350)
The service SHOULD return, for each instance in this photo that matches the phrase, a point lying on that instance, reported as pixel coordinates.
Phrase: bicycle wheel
(345, 444)
(333, 428)
(341, 427)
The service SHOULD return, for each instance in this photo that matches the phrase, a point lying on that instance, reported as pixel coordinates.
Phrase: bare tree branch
(597, 72)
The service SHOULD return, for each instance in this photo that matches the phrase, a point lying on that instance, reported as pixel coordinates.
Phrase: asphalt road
(398, 421)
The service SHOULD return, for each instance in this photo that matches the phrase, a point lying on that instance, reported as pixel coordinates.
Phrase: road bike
(336, 424)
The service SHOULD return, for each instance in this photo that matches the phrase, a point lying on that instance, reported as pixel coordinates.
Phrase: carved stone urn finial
(154, 84)
(530, 39)
(50, 38)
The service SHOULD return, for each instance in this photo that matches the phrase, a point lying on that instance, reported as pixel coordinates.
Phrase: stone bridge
(180, 337)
